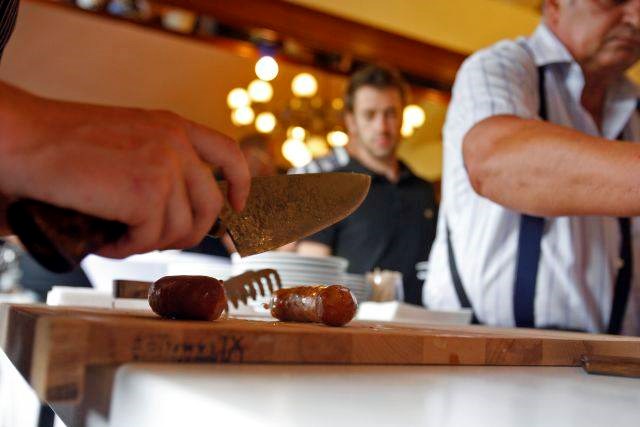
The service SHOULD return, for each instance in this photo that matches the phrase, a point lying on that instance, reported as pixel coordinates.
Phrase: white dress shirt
(579, 257)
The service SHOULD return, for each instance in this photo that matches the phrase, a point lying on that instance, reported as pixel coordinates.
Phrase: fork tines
(246, 286)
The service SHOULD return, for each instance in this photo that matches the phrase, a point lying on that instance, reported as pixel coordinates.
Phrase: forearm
(18, 118)
(543, 169)
(15, 104)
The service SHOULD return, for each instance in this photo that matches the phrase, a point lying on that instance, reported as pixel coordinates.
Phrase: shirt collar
(547, 48)
(356, 166)
(622, 101)
(622, 96)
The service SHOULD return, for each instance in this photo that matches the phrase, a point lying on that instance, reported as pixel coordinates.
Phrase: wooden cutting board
(53, 346)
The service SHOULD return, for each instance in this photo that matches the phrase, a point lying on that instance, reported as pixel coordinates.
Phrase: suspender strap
(531, 229)
(625, 274)
(457, 282)
(528, 260)
(529, 239)
(623, 281)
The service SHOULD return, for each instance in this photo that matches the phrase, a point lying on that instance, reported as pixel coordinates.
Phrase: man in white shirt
(535, 180)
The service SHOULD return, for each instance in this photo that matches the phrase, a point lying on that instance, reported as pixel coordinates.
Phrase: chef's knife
(280, 209)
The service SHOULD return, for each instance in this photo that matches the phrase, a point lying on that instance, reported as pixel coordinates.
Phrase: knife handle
(59, 238)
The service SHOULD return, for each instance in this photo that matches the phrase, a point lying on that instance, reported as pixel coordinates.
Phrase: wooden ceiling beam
(330, 33)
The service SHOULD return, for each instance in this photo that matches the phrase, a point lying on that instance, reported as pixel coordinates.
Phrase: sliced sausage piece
(188, 297)
(332, 305)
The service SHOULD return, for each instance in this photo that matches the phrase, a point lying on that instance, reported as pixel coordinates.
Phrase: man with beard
(395, 225)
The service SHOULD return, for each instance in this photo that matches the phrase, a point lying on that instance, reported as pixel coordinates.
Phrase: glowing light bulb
(291, 147)
(266, 68)
(178, 20)
(296, 152)
(296, 132)
(242, 116)
(265, 122)
(304, 85)
(406, 130)
(89, 4)
(301, 159)
(237, 98)
(337, 138)
(317, 146)
(413, 115)
(260, 91)
(337, 103)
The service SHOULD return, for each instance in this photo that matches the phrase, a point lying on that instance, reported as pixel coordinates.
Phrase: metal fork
(243, 286)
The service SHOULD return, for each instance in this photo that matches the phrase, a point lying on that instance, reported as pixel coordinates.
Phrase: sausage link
(332, 305)
(188, 297)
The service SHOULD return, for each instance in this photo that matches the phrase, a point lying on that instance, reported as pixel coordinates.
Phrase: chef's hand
(151, 170)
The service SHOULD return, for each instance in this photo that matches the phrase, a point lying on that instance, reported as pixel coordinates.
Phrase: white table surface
(336, 396)
(157, 395)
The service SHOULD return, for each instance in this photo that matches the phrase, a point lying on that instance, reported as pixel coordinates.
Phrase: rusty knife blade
(284, 208)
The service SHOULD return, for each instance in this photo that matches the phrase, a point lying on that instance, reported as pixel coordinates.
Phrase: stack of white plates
(357, 284)
(421, 269)
(294, 268)
(298, 270)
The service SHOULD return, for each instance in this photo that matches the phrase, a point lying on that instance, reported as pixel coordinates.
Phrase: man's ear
(350, 122)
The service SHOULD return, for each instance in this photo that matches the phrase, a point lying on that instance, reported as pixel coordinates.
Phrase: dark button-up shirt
(393, 228)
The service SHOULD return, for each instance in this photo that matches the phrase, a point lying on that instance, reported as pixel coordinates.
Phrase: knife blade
(285, 208)
(280, 209)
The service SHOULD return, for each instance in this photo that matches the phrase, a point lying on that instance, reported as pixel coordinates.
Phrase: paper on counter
(80, 297)
(131, 304)
(399, 312)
